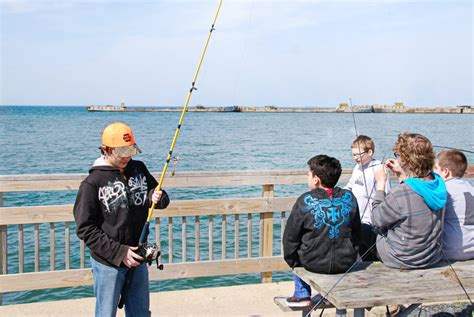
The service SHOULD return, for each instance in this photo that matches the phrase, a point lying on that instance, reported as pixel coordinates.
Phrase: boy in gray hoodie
(458, 234)
(409, 219)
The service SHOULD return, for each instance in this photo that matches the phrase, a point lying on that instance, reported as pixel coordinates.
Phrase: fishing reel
(150, 253)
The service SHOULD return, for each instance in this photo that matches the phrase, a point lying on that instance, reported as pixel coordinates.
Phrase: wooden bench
(372, 284)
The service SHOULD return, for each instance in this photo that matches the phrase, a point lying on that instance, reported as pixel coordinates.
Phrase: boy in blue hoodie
(409, 218)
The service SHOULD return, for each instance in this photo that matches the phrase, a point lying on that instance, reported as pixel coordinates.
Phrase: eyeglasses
(359, 155)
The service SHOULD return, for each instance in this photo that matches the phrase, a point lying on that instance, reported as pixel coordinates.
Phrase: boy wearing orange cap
(111, 209)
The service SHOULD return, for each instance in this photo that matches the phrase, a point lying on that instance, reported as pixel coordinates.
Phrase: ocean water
(44, 140)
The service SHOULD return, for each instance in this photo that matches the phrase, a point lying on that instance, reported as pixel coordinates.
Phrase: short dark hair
(453, 160)
(327, 168)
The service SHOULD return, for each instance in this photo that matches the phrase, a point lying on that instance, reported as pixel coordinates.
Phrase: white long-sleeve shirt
(362, 185)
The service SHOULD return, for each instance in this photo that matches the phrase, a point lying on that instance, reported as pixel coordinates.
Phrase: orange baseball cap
(120, 136)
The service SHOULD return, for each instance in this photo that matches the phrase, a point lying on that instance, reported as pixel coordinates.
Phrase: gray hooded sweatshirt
(409, 232)
(458, 236)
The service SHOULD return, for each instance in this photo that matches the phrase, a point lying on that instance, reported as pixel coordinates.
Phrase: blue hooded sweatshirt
(433, 191)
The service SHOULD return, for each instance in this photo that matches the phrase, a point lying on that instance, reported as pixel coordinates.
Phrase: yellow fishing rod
(144, 233)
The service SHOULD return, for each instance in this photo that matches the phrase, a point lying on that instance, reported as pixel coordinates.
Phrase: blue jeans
(302, 289)
(108, 284)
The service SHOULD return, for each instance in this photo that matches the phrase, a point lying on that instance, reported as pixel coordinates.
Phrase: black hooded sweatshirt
(111, 209)
(323, 232)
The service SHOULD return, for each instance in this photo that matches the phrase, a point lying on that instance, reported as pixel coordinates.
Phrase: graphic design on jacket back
(116, 195)
(331, 213)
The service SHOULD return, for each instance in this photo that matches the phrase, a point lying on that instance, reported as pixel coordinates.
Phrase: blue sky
(284, 53)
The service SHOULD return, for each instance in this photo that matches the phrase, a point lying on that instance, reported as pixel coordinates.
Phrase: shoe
(394, 310)
(298, 302)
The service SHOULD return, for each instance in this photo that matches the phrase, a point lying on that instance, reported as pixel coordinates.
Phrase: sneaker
(394, 310)
(298, 302)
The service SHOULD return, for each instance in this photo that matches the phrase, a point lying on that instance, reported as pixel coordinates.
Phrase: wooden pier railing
(198, 238)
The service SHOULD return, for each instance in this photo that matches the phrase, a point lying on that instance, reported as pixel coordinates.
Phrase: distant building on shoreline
(397, 107)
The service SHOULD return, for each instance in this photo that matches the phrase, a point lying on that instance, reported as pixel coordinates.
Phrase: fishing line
(362, 166)
(455, 274)
(452, 148)
(323, 297)
(243, 49)
(144, 233)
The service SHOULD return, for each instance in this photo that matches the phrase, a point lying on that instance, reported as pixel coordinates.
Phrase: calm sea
(43, 140)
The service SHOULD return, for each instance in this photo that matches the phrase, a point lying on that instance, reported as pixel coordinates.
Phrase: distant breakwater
(342, 108)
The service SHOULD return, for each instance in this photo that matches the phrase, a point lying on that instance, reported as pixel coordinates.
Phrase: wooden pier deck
(241, 300)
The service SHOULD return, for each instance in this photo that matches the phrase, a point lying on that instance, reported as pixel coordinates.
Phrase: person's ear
(446, 173)
(370, 152)
(317, 181)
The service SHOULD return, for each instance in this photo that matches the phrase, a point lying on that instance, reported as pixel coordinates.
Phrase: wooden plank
(267, 218)
(183, 239)
(236, 237)
(178, 208)
(218, 268)
(37, 248)
(35, 214)
(82, 251)
(260, 237)
(67, 245)
(282, 231)
(197, 240)
(53, 182)
(204, 207)
(52, 248)
(379, 285)
(211, 238)
(21, 251)
(170, 239)
(249, 235)
(4, 248)
(78, 277)
(224, 237)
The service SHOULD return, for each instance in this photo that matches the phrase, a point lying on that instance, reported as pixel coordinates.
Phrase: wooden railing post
(3, 249)
(266, 220)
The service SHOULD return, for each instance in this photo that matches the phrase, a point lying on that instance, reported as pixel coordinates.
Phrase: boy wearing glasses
(110, 211)
(458, 231)
(362, 185)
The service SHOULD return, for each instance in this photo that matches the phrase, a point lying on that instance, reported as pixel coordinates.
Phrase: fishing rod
(362, 167)
(452, 148)
(144, 233)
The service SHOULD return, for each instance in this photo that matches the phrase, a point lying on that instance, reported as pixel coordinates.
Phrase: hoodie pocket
(316, 254)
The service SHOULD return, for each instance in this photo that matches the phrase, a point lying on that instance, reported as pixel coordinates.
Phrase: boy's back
(458, 235)
(322, 232)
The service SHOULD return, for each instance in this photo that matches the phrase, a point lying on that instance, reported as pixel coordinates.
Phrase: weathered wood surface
(77, 277)
(177, 208)
(48, 182)
(374, 284)
(52, 182)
